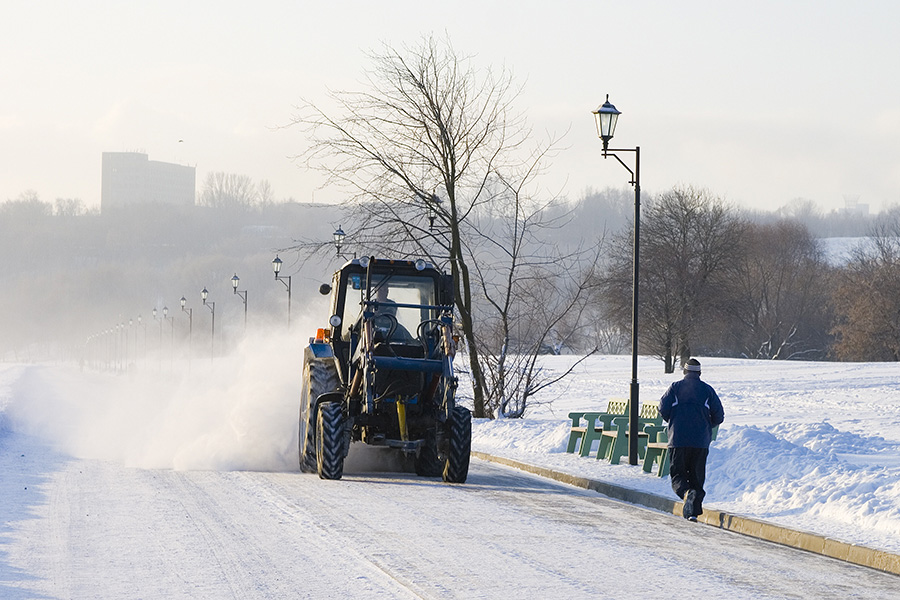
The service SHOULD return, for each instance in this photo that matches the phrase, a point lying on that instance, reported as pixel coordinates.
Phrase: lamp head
(606, 117)
(338, 236)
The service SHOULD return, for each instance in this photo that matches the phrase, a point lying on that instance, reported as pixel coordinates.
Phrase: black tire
(459, 445)
(427, 462)
(330, 441)
(319, 377)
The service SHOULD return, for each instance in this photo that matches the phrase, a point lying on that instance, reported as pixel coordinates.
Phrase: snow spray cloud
(239, 412)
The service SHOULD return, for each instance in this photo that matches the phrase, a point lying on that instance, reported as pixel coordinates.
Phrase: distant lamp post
(235, 282)
(433, 208)
(171, 325)
(140, 321)
(127, 341)
(338, 236)
(204, 294)
(159, 348)
(606, 117)
(190, 312)
(276, 266)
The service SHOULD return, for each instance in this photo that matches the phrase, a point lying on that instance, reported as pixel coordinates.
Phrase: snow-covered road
(86, 528)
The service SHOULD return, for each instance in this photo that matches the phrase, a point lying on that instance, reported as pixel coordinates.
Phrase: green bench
(658, 452)
(614, 440)
(590, 432)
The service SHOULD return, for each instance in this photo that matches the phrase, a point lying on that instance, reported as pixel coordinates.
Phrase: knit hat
(692, 365)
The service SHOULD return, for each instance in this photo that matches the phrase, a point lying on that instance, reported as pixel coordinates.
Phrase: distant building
(130, 178)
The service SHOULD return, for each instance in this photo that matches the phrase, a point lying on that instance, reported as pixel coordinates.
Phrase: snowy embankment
(812, 446)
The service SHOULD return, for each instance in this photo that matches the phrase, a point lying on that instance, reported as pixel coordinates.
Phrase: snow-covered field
(814, 446)
(811, 445)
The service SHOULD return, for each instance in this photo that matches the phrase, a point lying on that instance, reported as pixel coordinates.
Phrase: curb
(801, 540)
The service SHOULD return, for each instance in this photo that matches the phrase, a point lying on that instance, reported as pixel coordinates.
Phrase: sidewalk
(817, 544)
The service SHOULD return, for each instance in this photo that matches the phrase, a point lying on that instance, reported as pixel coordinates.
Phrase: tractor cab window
(400, 303)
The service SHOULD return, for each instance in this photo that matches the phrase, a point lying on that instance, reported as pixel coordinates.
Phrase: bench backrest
(617, 407)
(649, 411)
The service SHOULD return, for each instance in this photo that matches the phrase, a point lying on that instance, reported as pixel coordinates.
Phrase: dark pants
(687, 467)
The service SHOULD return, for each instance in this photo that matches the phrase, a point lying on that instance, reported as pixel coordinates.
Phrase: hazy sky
(761, 102)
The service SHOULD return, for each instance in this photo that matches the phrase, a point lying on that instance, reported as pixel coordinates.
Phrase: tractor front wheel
(330, 441)
(319, 377)
(459, 445)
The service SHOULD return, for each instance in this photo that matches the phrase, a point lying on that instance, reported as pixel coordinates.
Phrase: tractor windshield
(405, 300)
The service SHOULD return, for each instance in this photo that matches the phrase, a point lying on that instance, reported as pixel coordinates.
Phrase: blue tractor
(382, 373)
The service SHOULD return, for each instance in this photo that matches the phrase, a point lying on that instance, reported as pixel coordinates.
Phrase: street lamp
(118, 330)
(235, 281)
(159, 350)
(128, 335)
(172, 326)
(433, 209)
(190, 312)
(276, 266)
(212, 307)
(606, 117)
(339, 236)
(140, 321)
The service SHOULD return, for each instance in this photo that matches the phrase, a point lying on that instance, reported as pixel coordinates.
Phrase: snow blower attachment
(383, 373)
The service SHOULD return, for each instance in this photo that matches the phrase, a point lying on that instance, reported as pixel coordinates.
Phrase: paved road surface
(75, 528)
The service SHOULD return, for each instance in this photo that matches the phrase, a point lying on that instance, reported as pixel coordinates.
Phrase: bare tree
(68, 207)
(228, 191)
(535, 296)
(689, 240)
(264, 193)
(776, 300)
(867, 297)
(420, 154)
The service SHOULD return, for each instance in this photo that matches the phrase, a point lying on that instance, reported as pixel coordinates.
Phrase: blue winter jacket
(691, 408)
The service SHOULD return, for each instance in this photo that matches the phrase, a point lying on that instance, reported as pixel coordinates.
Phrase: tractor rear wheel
(319, 377)
(459, 445)
(330, 441)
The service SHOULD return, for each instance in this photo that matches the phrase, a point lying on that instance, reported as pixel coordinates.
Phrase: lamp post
(276, 266)
(212, 307)
(235, 282)
(140, 321)
(159, 351)
(338, 236)
(171, 335)
(128, 335)
(606, 116)
(190, 312)
(118, 330)
(433, 209)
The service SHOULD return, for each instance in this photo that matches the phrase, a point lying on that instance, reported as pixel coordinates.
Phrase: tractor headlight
(335, 321)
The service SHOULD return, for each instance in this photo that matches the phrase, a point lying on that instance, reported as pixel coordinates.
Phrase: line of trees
(714, 282)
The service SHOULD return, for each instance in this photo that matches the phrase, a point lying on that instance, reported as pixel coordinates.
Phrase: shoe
(692, 519)
(688, 509)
